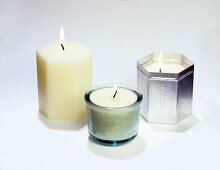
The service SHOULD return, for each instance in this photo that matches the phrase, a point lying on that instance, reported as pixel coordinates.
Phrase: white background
(119, 32)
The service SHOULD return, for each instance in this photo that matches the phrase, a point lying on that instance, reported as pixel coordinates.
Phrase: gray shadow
(126, 151)
(182, 126)
(62, 124)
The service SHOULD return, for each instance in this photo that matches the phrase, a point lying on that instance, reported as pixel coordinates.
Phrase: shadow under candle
(182, 126)
(125, 151)
(62, 124)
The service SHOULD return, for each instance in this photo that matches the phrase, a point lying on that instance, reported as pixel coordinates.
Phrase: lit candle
(113, 113)
(64, 74)
(166, 82)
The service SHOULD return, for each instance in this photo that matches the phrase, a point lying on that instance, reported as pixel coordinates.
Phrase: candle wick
(160, 70)
(62, 46)
(115, 93)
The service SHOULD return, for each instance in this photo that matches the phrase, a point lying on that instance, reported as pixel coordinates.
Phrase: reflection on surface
(182, 126)
(61, 124)
(126, 151)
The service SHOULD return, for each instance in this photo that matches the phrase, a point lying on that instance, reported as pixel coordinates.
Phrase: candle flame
(62, 36)
(115, 89)
(160, 60)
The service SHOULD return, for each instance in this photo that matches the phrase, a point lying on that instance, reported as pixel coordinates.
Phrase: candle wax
(104, 97)
(165, 68)
(63, 78)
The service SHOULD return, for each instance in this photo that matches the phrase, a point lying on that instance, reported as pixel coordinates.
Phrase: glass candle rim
(119, 85)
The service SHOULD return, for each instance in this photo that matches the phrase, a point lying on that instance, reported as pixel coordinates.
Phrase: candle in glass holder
(113, 114)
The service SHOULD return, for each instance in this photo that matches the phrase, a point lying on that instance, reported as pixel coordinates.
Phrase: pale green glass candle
(113, 113)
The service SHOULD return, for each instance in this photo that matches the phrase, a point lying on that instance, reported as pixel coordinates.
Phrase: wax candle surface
(165, 67)
(63, 78)
(104, 97)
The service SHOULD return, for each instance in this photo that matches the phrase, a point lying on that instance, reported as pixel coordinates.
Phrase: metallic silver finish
(167, 97)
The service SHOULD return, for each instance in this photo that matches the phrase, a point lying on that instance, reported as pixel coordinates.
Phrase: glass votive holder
(113, 120)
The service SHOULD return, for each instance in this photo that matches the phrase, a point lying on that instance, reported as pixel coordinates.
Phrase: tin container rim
(189, 66)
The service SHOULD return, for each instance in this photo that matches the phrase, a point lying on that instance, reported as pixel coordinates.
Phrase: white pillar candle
(64, 72)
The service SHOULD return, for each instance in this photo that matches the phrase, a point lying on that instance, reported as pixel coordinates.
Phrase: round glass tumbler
(112, 123)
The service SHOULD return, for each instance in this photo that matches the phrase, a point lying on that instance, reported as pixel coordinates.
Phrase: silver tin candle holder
(167, 97)
(113, 126)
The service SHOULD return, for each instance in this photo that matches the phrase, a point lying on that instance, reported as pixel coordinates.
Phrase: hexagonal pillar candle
(64, 74)
(166, 82)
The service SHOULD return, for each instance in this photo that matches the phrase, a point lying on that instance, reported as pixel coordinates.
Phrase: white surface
(119, 32)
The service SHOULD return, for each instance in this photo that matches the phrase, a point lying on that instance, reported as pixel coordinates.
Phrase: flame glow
(160, 60)
(62, 36)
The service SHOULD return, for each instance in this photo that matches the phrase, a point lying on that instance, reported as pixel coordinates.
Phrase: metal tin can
(167, 97)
